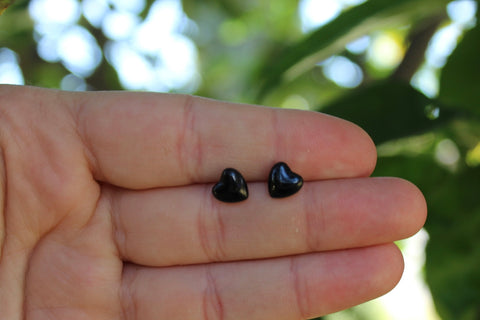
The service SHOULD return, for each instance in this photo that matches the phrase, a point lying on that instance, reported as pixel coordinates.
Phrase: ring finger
(298, 287)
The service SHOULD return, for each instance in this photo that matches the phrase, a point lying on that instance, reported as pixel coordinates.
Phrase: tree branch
(4, 4)
(419, 41)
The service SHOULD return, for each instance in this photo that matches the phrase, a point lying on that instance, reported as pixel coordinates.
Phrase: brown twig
(4, 5)
(419, 41)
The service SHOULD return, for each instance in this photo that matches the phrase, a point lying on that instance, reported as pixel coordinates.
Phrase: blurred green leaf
(460, 78)
(389, 110)
(332, 37)
(453, 251)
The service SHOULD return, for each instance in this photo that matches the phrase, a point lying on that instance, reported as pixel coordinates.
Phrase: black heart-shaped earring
(283, 182)
(231, 187)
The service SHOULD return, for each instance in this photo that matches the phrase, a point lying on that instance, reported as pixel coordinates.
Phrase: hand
(108, 211)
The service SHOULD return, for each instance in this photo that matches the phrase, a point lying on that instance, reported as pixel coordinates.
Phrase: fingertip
(339, 148)
(393, 270)
(421, 207)
(363, 151)
(383, 269)
(362, 274)
(414, 214)
(369, 151)
(385, 266)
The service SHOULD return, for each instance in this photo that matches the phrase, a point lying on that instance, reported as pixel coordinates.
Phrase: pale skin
(108, 214)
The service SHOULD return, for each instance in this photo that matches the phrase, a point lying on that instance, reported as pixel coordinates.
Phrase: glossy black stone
(231, 187)
(283, 182)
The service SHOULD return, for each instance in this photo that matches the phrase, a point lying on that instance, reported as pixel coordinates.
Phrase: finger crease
(299, 289)
(119, 234)
(80, 127)
(211, 229)
(314, 219)
(212, 301)
(189, 143)
(129, 304)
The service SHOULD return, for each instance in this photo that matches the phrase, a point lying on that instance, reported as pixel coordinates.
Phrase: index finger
(147, 140)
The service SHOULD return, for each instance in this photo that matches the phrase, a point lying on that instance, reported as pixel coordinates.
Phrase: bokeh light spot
(295, 101)
(315, 13)
(164, 19)
(47, 48)
(343, 72)
(54, 12)
(72, 82)
(442, 45)
(359, 45)
(79, 51)
(426, 80)
(119, 25)
(462, 11)
(386, 51)
(133, 70)
(155, 55)
(447, 153)
(94, 11)
(10, 72)
(473, 156)
(133, 6)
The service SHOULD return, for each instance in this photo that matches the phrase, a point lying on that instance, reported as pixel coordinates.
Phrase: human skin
(108, 211)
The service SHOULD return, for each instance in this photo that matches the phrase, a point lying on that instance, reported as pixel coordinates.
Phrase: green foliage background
(255, 52)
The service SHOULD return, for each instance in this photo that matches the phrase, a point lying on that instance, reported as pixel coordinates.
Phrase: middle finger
(186, 225)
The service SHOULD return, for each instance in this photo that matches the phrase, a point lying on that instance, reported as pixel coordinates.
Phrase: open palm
(108, 212)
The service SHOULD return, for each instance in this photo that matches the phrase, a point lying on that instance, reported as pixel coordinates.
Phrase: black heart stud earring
(231, 187)
(283, 182)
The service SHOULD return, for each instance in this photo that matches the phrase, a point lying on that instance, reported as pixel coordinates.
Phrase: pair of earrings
(282, 182)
